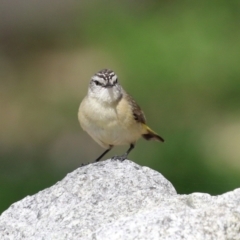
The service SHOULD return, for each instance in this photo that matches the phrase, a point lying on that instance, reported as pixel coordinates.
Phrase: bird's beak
(108, 85)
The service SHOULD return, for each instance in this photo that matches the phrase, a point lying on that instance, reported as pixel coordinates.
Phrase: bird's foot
(120, 158)
(84, 164)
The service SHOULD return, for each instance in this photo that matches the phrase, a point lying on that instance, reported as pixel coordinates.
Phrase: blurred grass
(179, 60)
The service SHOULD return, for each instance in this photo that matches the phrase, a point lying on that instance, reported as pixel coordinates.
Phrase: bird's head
(104, 86)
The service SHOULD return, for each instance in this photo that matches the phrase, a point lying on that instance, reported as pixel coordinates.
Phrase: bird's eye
(115, 81)
(97, 83)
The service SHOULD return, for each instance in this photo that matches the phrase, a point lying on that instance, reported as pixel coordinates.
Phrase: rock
(121, 200)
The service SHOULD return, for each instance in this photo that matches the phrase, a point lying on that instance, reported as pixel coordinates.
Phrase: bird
(111, 116)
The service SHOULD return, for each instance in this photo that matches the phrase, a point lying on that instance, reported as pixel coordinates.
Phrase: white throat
(106, 95)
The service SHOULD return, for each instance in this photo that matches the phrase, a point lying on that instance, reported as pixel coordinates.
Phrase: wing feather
(136, 110)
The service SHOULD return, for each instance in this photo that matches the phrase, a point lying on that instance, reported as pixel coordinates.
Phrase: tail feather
(150, 134)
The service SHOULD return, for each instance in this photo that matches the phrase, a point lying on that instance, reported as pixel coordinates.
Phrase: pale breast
(109, 124)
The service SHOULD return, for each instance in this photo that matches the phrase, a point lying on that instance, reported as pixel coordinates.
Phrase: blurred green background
(179, 60)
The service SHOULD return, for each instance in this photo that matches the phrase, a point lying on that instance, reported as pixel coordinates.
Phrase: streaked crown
(104, 86)
(105, 78)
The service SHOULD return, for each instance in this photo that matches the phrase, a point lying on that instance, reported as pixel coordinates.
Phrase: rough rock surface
(121, 200)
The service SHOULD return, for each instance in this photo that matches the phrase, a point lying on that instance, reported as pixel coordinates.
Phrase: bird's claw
(84, 164)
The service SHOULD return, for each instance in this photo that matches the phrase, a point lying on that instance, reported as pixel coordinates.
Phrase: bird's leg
(105, 152)
(124, 156)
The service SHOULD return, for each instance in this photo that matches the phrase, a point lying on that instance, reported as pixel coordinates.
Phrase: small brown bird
(111, 116)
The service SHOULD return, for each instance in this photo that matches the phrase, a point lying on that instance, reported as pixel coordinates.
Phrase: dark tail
(151, 135)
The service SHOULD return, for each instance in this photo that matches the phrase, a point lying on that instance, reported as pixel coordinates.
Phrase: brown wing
(136, 110)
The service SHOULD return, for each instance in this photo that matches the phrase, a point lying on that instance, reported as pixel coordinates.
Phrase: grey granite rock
(121, 200)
